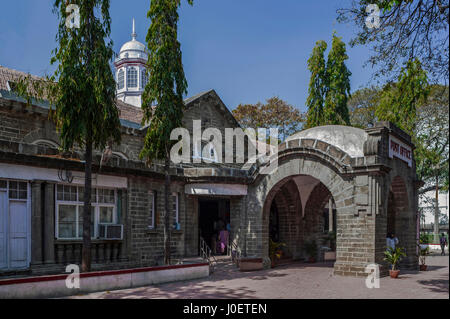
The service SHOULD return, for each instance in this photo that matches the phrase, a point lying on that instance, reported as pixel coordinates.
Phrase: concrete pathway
(305, 281)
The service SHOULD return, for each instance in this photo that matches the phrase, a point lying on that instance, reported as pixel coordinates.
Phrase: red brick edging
(96, 274)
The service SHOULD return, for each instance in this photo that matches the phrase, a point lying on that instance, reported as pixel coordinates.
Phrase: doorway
(214, 214)
(14, 225)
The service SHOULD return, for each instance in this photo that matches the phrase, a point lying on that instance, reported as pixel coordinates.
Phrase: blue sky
(247, 50)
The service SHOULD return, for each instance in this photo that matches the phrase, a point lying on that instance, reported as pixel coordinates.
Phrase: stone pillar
(49, 224)
(125, 247)
(36, 223)
(330, 215)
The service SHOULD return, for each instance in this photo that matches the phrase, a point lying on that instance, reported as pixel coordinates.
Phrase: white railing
(206, 253)
(233, 252)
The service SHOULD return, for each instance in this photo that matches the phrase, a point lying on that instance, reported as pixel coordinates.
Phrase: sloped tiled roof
(11, 75)
(129, 112)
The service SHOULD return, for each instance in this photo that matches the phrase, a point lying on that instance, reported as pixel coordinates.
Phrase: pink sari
(223, 241)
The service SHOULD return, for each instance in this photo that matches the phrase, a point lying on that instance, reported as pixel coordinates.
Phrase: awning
(216, 189)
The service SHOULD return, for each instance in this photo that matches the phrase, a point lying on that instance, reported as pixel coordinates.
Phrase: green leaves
(394, 256)
(338, 85)
(399, 101)
(329, 86)
(85, 96)
(167, 83)
(317, 86)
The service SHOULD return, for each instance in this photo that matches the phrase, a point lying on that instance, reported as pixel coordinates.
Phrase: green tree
(317, 86)
(362, 106)
(432, 140)
(275, 113)
(250, 115)
(165, 89)
(84, 94)
(399, 101)
(338, 85)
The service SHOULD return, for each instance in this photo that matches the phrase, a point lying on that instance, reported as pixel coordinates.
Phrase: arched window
(144, 78)
(132, 78)
(46, 143)
(120, 79)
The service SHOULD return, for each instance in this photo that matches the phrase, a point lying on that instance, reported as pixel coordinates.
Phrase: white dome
(133, 46)
(349, 139)
(133, 49)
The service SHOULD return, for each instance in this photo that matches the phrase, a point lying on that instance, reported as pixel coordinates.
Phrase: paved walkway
(297, 281)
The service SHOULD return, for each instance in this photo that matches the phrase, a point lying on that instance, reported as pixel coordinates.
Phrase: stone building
(359, 184)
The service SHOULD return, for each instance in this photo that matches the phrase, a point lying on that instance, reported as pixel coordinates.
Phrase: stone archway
(400, 220)
(270, 187)
(298, 203)
(356, 170)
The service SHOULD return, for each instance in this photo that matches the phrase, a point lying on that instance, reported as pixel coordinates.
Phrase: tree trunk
(86, 252)
(167, 217)
(436, 212)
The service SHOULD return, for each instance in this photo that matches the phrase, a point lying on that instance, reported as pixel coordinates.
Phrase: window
(18, 190)
(151, 205)
(69, 210)
(144, 78)
(132, 78)
(207, 155)
(46, 143)
(120, 79)
(175, 208)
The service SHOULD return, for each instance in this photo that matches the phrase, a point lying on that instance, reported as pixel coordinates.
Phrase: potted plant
(393, 256)
(423, 253)
(311, 250)
(275, 251)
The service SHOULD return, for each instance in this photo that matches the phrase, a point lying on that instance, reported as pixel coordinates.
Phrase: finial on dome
(134, 35)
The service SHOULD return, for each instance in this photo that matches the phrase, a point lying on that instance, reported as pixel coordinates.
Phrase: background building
(427, 205)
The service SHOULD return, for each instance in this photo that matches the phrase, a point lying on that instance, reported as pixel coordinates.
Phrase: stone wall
(147, 245)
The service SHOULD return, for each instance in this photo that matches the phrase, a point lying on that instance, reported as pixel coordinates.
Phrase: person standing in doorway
(222, 245)
(391, 241)
(443, 242)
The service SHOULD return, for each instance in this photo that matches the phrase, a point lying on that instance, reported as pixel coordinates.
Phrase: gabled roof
(130, 115)
(11, 75)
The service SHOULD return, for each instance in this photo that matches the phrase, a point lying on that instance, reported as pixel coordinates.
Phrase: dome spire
(134, 35)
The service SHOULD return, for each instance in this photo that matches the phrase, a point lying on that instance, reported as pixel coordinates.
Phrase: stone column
(49, 224)
(330, 215)
(36, 223)
(125, 247)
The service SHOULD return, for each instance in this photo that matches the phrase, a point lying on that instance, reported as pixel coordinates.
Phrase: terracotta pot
(394, 273)
(423, 267)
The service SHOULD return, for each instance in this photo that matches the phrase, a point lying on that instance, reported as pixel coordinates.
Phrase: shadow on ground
(436, 285)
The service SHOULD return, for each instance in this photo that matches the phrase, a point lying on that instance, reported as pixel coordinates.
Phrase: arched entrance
(333, 178)
(299, 215)
(295, 198)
